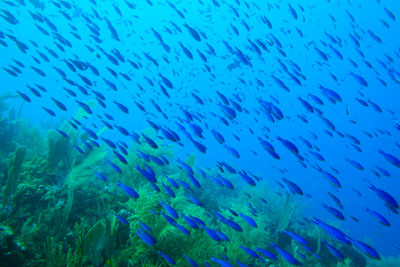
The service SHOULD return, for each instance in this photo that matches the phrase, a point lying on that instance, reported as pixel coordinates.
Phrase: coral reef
(62, 214)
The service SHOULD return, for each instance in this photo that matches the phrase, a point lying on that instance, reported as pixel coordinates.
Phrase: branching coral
(55, 254)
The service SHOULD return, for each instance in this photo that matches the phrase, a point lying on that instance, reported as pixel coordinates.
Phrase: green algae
(14, 172)
(81, 170)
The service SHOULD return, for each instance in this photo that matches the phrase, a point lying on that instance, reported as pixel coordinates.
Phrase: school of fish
(277, 83)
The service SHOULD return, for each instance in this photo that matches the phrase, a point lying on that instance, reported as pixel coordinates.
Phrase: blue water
(298, 37)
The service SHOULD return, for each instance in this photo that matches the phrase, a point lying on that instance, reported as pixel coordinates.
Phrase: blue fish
(169, 209)
(148, 173)
(172, 182)
(336, 200)
(334, 251)
(267, 253)
(182, 229)
(114, 166)
(296, 237)
(59, 104)
(389, 199)
(332, 231)
(150, 141)
(249, 220)
(211, 233)
(222, 236)
(222, 263)
(366, 249)
(190, 222)
(194, 200)
(391, 158)
(167, 258)
(100, 176)
(287, 256)
(381, 219)
(121, 219)
(62, 133)
(251, 252)
(168, 190)
(294, 188)
(24, 96)
(128, 190)
(333, 211)
(123, 108)
(145, 226)
(191, 261)
(289, 145)
(146, 237)
(247, 178)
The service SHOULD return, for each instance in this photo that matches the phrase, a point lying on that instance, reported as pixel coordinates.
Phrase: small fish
(59, 104)
(287, 256)
(355, 164)
(190, 222)
(91, 133)
(249, 220)
(148, 173)
(172, 182)
(294, 188)
(211, 233)
(391, 158)
(367, 249)
(150, 142)
(222, 263)
(168, 190)
(232, 224)
(182, 229)
(381, 219)
(336, 200)
(296, 237)
(121, 219)
(145, 226)
(169, 219)
(194, 200)
(289, 145)
(193, 32)
(169, 209)
(267, 253)
(333, 211)
(120, 157)
(249, 251)
(386, 197)
(49, 111)
(62, 133)
(146, 237)
(332, 231)
(100, 176)
(334, 251)
(191, 261)
(359, 79)
(128, 190)
(247, 179)
(123, 108)
(24, 96)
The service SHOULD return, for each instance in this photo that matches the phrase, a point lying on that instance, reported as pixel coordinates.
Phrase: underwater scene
(157, 133)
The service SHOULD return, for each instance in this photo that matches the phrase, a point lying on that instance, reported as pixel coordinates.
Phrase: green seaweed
(58, 151)
(14, 172)
(81, 171)
(95, 241)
